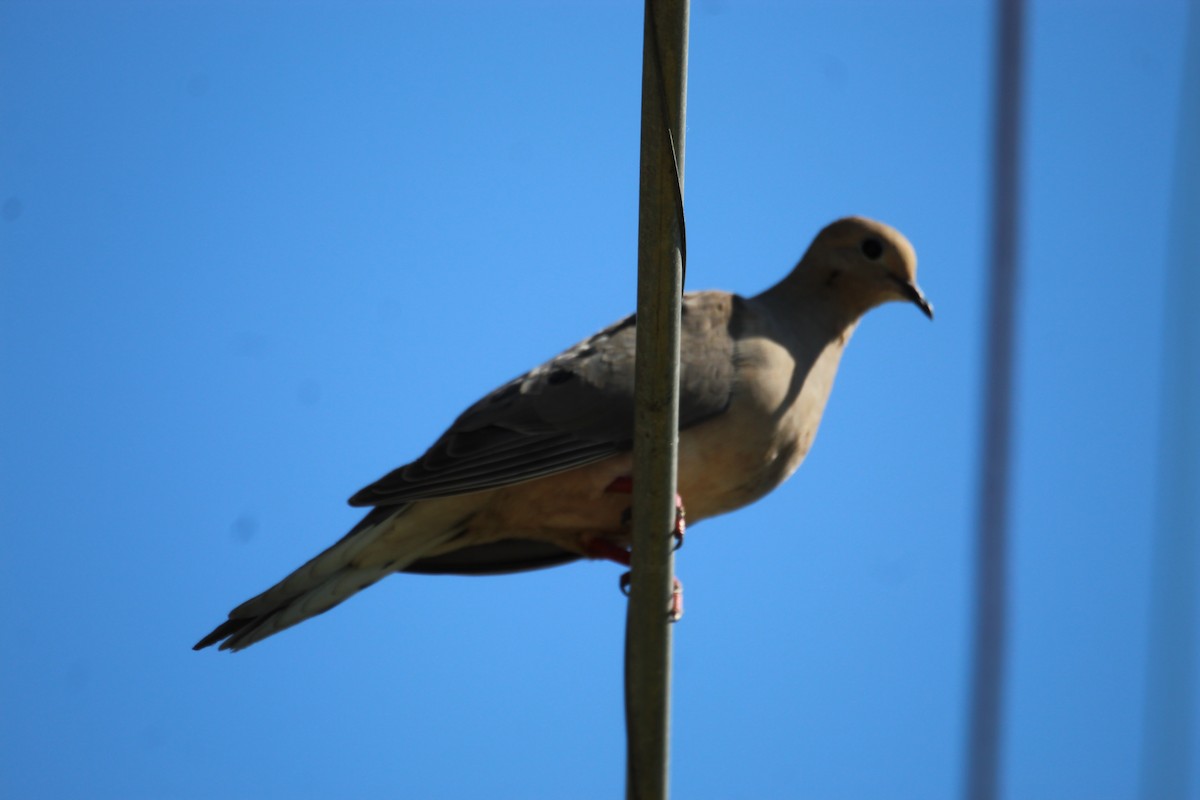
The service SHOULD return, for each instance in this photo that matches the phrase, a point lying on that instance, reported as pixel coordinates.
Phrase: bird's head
(867, 263)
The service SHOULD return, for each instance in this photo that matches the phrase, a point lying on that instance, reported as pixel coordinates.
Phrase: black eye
(872, 248)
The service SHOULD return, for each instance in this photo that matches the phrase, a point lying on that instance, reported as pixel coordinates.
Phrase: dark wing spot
(559, 375)
(615, 328)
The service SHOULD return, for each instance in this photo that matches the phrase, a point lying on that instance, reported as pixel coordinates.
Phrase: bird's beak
(912, 293)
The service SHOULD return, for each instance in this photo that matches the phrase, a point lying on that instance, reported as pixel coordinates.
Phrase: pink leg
(674, 606)
(675, 612)
(607, 550)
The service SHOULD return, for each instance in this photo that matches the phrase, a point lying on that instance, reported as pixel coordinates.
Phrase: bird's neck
(815, 305)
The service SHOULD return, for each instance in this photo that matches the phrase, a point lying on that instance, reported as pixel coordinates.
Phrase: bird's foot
(674, 606)
(605, 549)
(624, 485)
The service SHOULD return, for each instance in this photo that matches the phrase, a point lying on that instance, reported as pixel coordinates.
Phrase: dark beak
(911, 293)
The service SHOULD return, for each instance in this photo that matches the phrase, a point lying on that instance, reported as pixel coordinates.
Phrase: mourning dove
(524, 478)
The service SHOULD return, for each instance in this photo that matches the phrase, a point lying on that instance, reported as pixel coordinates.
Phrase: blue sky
(254, 255)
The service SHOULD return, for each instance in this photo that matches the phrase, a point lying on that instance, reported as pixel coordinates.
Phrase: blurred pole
(1168, 743)
(656, 421)
(991, 557)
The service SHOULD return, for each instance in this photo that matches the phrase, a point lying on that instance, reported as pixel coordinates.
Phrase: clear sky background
(255, 254)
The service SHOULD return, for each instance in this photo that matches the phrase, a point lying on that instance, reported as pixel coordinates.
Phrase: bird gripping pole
(656, 420)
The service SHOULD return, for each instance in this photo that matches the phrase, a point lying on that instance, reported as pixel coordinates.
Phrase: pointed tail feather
(240, 633)
(331, 577)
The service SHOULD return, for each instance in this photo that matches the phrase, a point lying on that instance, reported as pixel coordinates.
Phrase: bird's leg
(605, 549)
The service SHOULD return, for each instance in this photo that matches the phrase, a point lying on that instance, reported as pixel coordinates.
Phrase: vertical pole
(1169, 754)
(991, 558)
(656, 421)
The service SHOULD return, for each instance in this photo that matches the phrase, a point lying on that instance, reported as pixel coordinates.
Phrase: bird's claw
(674, 607)
(680, 523)
(624, 485)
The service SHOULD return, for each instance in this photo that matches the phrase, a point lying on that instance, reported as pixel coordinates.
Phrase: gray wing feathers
(573, 410)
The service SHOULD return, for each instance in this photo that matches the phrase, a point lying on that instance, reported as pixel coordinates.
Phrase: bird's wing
(575, 409)
(494, 558)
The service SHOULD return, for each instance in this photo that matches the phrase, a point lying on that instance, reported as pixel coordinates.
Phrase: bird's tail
(331, 577)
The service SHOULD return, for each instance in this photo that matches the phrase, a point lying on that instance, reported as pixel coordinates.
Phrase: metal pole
(1168, 769)
(991, 566)
(656, 422)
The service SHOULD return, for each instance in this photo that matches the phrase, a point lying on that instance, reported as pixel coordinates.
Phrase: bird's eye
(872, 248)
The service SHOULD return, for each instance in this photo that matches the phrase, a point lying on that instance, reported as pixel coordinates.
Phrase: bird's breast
(740, 456)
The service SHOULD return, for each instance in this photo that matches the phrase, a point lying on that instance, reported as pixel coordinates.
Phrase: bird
(535, 473)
